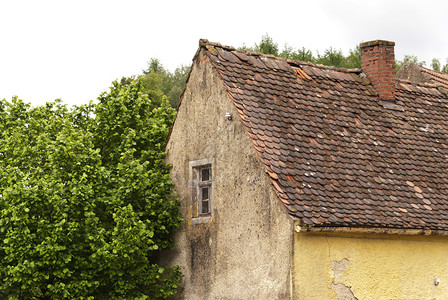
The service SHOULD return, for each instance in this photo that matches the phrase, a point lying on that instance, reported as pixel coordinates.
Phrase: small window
(201, 189)
(205, 186)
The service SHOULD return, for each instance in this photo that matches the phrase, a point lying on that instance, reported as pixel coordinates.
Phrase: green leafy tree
(408, 58)
(174, 84)
(86, 199)
(158, 83)
(436, 65)
(303, 54)
(152, 81)
(331, 56)
(267, 46)
(353, 59)
(336, 58)
(170, 84)
(445, 67)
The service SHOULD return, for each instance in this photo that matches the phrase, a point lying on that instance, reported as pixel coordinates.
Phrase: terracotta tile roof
(335, 155)
(437, 77)
(416, 73)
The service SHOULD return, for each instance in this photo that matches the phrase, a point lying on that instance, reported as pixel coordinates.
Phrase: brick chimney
(378, 63)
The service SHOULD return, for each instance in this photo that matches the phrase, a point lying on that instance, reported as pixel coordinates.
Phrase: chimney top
(378, 63)
(377, 43)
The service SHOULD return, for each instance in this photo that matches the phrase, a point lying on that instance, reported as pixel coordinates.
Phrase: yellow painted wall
(368, 266)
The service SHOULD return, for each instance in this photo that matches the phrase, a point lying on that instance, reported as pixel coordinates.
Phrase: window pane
(205, 174)
(205, 208)
(204, 192)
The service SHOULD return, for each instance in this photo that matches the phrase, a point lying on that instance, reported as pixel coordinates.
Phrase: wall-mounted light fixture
(228, 116)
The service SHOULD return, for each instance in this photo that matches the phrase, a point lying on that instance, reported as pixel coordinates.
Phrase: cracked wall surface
(369, 266)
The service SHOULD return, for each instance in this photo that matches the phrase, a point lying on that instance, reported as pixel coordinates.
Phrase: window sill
(202, 220)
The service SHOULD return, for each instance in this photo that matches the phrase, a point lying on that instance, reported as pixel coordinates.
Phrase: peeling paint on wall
(370, 266)
(339, 267)
(342, 291)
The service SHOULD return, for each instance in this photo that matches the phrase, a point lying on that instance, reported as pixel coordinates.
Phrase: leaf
(86, 197)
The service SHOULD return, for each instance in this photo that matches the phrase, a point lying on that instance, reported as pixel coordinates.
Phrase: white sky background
(73, 50)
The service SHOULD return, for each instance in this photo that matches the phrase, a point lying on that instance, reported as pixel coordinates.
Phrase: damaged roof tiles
(335, 155)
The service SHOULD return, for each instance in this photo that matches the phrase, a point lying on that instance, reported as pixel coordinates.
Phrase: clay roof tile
(335, 155)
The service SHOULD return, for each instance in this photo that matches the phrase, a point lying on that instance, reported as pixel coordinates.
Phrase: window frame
(202, 185)
(197, 186)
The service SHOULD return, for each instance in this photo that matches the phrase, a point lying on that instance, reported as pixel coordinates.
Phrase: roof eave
(368, 230)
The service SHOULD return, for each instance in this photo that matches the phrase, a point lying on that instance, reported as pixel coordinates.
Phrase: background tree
(175, 83)
(436, 65)
(408, 58)
(331, 56)
(301, 54)
(353, 59)
(159, 82)
(267, 46)
(171, 84)
(86, 198)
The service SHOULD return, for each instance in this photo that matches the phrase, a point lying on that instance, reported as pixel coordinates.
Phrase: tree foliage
(331, 56)
(436, 65)
(169, 83)
(86, 199)
(158, 81)
(408, 58)
(267, 46)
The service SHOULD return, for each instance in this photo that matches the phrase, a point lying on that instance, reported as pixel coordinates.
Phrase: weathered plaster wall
(334, 266)
(245, 251)
(411, 72)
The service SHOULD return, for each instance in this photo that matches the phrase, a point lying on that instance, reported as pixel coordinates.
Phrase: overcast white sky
(73, 50)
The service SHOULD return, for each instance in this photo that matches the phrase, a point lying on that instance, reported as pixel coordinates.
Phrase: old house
(414, 72)
(302, 181)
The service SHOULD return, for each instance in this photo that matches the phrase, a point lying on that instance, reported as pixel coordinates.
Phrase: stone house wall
(244, 249)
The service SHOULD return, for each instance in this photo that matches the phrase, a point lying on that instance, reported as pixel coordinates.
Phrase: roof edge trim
(374, 230)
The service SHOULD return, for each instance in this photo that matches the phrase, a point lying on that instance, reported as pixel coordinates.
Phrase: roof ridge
(437, 73)
(320, 66)
(293, 62)
(433, 73)
(205, 42)
(423, 84)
